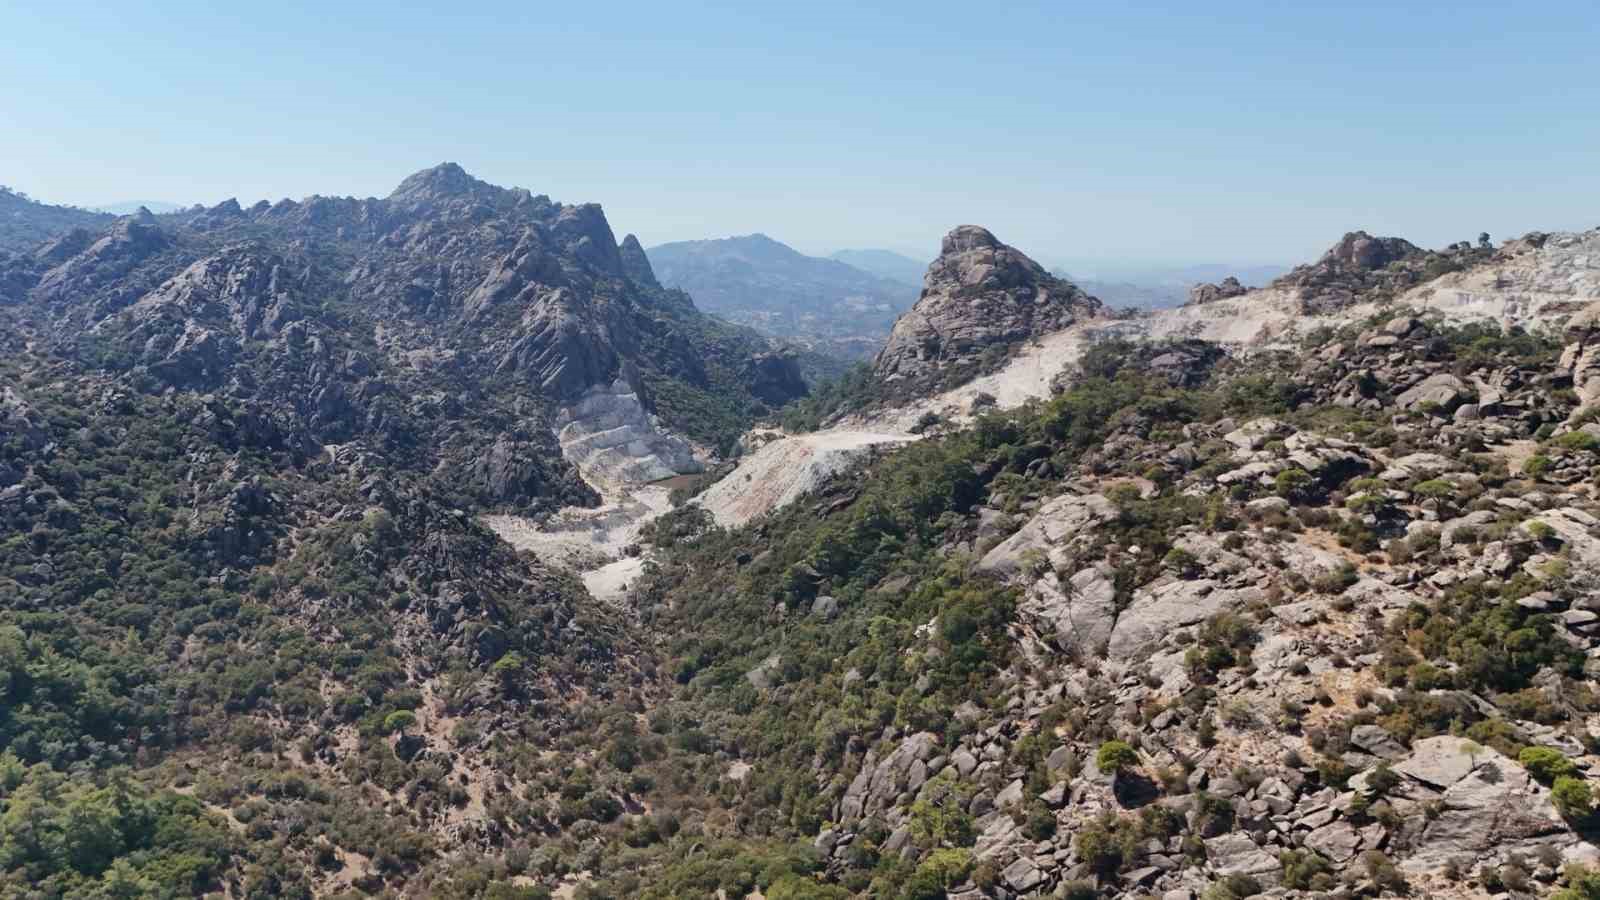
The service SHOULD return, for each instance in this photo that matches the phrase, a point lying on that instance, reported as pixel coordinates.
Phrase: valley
(437, 549)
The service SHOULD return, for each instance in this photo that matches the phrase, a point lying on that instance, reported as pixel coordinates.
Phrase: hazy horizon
(1150, 135)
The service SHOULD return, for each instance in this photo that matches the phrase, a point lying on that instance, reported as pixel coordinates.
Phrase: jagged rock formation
(397, 320)
(979, 296)
(775, 377)
(1582, 354)
(635, 263)
(1361, 268)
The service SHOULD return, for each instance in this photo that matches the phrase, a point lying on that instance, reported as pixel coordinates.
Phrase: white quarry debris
(617, 444)
(622, 452)
(1536, 286)
(787, 468)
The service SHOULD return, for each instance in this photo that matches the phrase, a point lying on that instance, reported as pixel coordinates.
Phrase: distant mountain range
(753, 280)
(1161, 287)
(884, 263)
(130, 207)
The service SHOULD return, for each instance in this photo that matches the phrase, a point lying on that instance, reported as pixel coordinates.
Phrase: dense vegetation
(227, 661)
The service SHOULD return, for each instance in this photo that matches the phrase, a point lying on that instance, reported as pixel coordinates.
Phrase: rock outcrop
(1535, 281)
(635, 263)
(1361, 268)
(1222, 290)
(979, 297)
(775, 378)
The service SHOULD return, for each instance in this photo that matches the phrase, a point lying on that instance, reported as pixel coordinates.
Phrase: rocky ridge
(382, 320)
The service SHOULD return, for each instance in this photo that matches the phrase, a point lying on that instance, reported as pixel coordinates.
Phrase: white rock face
(1534, 287)
(616, 443)
(786, 469)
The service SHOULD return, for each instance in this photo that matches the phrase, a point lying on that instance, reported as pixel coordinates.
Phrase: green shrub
(1582, 883)
(1435, 489)
(801, 887)
(1546, 764)
(1114, 756)
(1081, 889)
(1538, 530)
(399, 720)
(1181, 561)
(936, 874)
(1293, 484)
(1572, 797)
(1304, 870)
(1576, 440)
(1233, 887)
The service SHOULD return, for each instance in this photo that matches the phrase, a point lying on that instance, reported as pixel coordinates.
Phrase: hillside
(822, 304)
(25, 223)
(352, 554)
(250, 621)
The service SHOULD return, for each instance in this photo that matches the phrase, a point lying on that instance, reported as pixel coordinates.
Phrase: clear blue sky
(1240, 132)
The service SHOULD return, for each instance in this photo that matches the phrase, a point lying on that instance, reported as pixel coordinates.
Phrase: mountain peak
(979, 294)
(447, 179)
(963, 238)
(635, 263)
(1360, 250)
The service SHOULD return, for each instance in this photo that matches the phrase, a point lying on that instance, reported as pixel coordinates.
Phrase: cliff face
(979, 294)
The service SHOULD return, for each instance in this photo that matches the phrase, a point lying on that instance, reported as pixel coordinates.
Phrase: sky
(1081, 133)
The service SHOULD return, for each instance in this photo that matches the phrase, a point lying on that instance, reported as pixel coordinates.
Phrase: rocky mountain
(396, 321)
(253, 447)
(979, 297)
(884, 263)
(25, 223)
(1365, 268)
(1286, 593)
(753, 280)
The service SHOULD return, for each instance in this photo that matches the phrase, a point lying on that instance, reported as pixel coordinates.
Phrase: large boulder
(1484, 805)
(881, 781)
(1166, 605)
(1077, 614)
(1222, 290)
(1057, 522)
(1441, 391)
(1581, 355)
